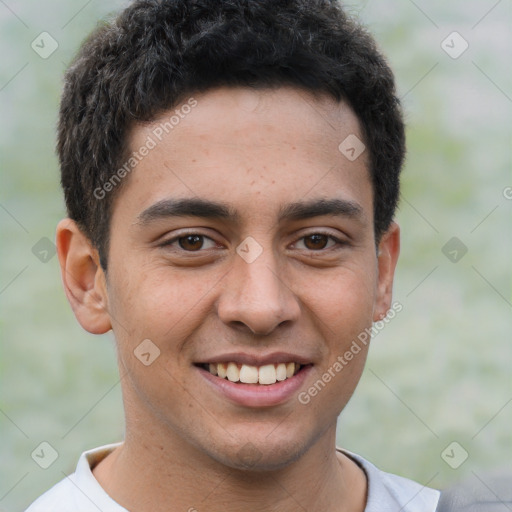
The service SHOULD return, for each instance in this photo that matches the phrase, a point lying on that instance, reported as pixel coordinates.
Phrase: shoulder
(391, 493)
(59, 498)
(80, 491)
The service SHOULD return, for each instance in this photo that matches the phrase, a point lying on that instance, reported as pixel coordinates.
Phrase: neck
(148, 476)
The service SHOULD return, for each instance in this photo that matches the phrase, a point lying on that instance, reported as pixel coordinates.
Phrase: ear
(387, 256)
(83, 278)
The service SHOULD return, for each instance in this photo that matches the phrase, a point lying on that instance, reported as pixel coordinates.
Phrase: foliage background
(439, 372)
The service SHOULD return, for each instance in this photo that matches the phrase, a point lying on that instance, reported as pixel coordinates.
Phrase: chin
(256, 455)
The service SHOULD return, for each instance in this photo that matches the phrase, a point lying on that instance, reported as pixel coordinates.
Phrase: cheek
(161, 304)
(343, 301)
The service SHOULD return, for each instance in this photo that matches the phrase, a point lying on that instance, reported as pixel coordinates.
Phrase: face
(243, 243)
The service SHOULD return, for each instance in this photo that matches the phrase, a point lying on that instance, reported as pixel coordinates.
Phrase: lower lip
(257, 395)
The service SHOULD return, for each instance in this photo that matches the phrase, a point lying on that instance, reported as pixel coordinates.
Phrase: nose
(257, 297)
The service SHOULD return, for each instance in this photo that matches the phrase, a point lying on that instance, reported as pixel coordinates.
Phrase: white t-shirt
(81, 492)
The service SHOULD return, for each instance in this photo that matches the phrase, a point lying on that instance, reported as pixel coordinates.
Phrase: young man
(231, 172)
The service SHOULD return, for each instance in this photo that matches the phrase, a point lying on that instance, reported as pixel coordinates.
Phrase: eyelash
(338, 243)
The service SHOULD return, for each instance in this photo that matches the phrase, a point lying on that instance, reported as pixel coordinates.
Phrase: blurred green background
(439, 373)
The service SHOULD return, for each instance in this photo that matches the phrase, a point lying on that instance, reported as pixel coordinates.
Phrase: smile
(247, 374)
(252, 381)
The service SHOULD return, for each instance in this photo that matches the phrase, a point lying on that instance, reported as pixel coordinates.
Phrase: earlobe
(387, 257)
(83, 278)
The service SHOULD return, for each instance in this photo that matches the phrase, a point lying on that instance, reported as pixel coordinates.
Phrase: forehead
(251, 149)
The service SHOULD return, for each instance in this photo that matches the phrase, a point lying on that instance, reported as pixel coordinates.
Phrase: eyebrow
(189, 207)
(319, 207)
(195, 207)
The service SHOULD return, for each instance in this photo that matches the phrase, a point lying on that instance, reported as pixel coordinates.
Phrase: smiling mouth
(261, 375)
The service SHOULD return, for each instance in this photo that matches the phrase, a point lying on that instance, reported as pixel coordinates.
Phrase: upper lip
(257, 359)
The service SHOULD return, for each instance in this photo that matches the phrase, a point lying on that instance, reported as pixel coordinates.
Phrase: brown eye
(316, 241)
(191, 242)
(319, 242)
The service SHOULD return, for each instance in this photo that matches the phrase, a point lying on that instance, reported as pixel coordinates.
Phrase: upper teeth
(266, 374)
